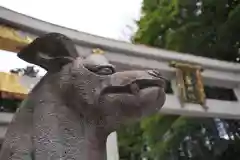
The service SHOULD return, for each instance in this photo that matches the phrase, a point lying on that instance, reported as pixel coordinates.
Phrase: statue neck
(60, 132)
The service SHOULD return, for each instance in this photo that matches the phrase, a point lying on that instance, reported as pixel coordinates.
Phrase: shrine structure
(191, 78)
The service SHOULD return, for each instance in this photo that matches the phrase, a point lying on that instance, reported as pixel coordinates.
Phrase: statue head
(91, 86)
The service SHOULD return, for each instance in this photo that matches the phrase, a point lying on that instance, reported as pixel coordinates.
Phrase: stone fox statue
(77, 104)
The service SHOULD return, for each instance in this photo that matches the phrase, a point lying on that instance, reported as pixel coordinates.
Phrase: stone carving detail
(77, 104)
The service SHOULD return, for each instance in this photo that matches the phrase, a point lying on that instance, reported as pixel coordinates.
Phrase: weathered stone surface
(77, 104)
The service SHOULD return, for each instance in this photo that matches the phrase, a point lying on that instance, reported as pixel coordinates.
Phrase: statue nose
(155, 73)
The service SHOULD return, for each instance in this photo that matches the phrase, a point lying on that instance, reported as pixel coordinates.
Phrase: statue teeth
(134, 88)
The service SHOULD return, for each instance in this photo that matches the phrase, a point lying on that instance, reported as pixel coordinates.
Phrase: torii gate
(187, 98)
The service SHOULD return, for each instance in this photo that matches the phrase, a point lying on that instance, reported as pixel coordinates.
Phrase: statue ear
(50, 51)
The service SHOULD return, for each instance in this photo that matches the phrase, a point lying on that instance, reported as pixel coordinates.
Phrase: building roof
(10, 86)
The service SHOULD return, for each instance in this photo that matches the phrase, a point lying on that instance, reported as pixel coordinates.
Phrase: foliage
(201, 27)
(208, 28)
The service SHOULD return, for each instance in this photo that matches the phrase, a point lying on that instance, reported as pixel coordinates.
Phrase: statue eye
(105, 71)
(100, 69)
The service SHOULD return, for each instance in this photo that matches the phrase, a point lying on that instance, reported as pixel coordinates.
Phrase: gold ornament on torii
(189, 83)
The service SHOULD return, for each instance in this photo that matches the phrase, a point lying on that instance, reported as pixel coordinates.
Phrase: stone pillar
(112, 147)
(237, 92)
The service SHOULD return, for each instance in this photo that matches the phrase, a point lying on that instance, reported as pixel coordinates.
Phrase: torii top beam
(32, 28)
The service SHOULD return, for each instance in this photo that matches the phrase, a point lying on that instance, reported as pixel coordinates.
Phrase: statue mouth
(135, 87)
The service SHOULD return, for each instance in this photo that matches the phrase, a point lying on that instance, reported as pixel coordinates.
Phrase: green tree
(208, 28)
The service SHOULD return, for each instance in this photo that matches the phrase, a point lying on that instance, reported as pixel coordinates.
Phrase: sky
(106, 18)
